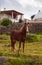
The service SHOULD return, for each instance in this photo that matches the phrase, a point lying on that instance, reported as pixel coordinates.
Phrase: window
(14, 16)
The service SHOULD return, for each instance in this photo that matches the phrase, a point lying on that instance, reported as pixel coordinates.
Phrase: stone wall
(33, 27)
(9, 28)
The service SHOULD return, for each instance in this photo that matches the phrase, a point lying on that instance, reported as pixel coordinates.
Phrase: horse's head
(26, 25)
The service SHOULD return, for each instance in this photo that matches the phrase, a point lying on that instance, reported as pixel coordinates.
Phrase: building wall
(10, 17)
(4, 16)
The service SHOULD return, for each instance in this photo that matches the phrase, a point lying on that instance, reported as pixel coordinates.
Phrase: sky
(27, 7)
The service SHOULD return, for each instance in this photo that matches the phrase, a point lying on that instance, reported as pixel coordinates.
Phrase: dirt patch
(2, 39)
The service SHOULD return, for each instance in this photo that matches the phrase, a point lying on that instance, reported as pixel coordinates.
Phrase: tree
(6, 22)
(20, 20)
(32, 16)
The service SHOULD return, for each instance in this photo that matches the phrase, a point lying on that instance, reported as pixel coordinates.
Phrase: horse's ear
(25, 22)
(28, 22)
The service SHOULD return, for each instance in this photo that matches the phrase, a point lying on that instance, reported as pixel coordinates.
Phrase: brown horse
(18, 35)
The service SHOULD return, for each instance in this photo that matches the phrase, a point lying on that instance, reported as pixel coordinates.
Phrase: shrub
(6, 22)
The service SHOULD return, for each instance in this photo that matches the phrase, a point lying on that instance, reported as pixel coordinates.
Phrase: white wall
(4, 16)
(10, 17)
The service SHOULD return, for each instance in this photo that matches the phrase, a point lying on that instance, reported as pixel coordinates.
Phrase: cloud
(28, 7)
(16, 5)
(10, 4)
(39, 1)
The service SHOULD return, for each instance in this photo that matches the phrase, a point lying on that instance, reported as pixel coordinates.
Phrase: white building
(11, 14)
(37, 18)
(38, 15)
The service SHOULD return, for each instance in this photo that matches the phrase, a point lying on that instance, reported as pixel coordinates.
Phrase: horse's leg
(19, 47)
(13, 45)
(23, 46)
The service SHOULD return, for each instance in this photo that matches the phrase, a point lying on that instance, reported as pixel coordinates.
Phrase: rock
(3, 59)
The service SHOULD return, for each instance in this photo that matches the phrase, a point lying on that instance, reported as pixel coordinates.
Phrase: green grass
(31, 56)
(38, 33)
(34, 38)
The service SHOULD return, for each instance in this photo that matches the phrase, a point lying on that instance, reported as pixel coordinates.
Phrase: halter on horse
(18, 35)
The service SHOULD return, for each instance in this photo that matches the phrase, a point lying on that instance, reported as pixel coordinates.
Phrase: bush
(6, 22)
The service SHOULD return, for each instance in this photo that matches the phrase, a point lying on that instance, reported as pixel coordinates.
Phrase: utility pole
(0, 10)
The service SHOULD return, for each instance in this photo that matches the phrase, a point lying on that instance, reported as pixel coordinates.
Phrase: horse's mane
(23, 27)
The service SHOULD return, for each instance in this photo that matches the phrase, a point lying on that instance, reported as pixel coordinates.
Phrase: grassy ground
(31, 56)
